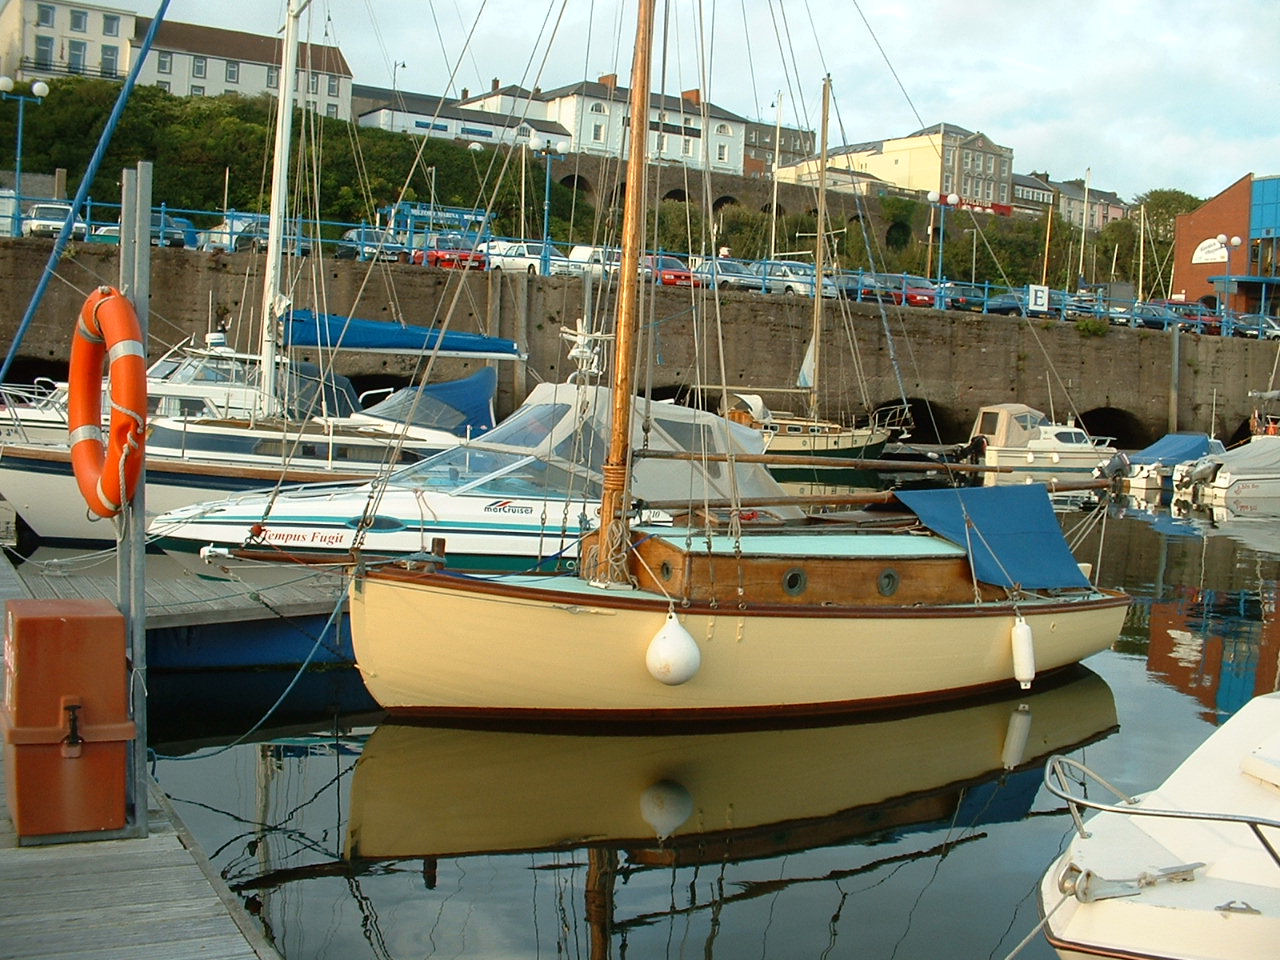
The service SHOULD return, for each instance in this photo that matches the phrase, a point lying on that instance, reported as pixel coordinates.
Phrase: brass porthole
(664, 570)
(887, 582)
(794, 582)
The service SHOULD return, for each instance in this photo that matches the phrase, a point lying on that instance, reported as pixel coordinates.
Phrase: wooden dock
(155, 898)
(177, 597)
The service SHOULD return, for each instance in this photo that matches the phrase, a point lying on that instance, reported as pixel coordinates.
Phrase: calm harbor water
(902, 836)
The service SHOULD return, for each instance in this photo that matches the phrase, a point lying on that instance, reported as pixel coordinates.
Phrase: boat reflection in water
(433, 792)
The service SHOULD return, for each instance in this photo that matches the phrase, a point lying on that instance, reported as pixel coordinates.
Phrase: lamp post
(1227, 244)
(950, 199)
(39, 90)
(548, 151)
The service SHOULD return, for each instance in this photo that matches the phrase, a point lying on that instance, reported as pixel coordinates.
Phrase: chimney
(610, 80)
(693, 96)
(465, 93)
(494, 88)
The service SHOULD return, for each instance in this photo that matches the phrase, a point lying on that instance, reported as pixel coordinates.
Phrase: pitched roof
(429, 105)
(237, 45)
(657, 101)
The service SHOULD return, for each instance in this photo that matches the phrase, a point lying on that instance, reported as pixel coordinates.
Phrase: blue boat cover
(1174, 448)
(306, 328)
(1011, 534)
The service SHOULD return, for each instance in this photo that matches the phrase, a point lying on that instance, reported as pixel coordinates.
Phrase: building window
(722, 129)
(273, 77)
(991, 164)
(331, 110)
(164, 62)
(686, 146)
(597, 132)
(199, 66)
(946, 183)
(110, 25)
(722, 152)
(163, 85)
(1004, 193)
(44, 14)
(76, 50)
(197, 91)
(79, 21)
(110, 60)
(1004, 166)
(949, 156)
(662, 142)
(44, 53)
(233, 71)
(597, 108)
(965, 158)
(333, 86)
(313, 83)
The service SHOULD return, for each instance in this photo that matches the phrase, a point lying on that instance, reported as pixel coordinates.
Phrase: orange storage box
(65, 716)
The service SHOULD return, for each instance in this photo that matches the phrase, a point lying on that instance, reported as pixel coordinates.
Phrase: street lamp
(548, 151)
(39, 90)
(950, 199)
(1226, 282)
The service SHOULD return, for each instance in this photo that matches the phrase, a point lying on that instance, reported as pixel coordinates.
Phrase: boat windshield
(478, 471)
(206, 369)
(410, 405)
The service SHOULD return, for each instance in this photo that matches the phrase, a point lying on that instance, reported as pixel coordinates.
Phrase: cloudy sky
(1145, 94)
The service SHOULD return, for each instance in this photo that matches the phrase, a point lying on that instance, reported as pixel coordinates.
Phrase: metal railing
(1057, 780)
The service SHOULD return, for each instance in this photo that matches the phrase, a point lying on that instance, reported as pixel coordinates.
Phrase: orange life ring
(108, 328)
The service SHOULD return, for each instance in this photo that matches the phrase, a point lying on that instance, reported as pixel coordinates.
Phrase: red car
(1200, 319)
(670, 272)
(451, 251)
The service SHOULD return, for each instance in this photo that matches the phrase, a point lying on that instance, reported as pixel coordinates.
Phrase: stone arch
(778, 211)
(931, 422)
(676, 194)
(898, 236)
(1127, 430)
(721, 202)
(579, 183)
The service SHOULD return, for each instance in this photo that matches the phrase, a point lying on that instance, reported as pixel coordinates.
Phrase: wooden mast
(611, 558)
(815, 344)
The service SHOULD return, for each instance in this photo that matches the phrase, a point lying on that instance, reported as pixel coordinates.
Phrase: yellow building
(945, 158)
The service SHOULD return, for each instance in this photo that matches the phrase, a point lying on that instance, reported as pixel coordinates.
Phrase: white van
(600, 262)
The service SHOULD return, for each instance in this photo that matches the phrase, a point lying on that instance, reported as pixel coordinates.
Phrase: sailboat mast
(273, 301)
(773, 209)
(819, 252)
(612, 509)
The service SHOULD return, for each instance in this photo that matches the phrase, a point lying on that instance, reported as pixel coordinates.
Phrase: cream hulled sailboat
(734, 614)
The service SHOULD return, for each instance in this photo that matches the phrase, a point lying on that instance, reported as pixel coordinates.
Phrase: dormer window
(722, 129)
(597, 108)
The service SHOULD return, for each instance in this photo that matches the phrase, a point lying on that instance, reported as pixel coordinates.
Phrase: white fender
(1024, 653)
(673, 656)
(1016, 736)
(665, 806)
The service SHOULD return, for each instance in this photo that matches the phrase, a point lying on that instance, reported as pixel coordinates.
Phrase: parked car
(969, 297)
(726, 274)
(1153, 316)
(912, 290)
(1197, 317)
(1258, 326)
(223, 236)
(254, 238)
(368, 243)
(1016, 303)
(670, 271)
(170, 231)
(451, 251)
(525, 256)
(794, 277)
(46, 220)
(863, 286)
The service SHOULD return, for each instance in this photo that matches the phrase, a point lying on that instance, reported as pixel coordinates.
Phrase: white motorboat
(1030, 447)
(518, 498)
(1244, 479)
(1188, 871)
(1149, 471)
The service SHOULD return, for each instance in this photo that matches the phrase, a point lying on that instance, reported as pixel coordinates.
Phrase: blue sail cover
(1175, 448)
(1011, 533)
(331, 331)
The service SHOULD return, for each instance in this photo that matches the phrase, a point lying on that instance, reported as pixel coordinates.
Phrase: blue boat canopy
(1174, 448)
(463, 407)
(331, 331)
(1011, 534)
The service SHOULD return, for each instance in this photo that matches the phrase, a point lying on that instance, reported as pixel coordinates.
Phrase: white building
(590, 117)
(43, 39)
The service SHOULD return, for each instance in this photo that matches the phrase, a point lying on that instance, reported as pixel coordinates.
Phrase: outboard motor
(1117, 466)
